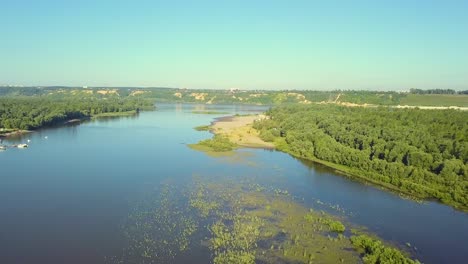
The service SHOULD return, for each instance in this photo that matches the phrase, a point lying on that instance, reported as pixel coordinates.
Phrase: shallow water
(66, 198)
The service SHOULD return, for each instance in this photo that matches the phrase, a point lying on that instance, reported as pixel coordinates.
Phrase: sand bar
(239, 130)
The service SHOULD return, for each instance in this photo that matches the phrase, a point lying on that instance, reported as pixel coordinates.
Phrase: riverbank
(363, 176)
(103, 115)
(13, 132)
(16, 132)
(356, 175)
(239, 130)
(115, 114)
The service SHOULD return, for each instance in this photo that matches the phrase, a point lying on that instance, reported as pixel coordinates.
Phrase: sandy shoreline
(239, 130)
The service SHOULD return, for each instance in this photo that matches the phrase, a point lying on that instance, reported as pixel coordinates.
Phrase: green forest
(415, 97)
(32, 112)
(419, 152)
(436, 91)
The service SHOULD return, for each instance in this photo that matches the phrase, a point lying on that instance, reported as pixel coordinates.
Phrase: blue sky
(320, 45)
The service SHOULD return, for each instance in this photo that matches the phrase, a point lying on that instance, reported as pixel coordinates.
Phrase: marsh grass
(219, 143)
(280, 230)
(203, 128)
(375, 251)
(158, 229)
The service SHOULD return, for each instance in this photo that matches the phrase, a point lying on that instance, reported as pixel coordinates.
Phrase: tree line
(420, 152)
(437, 91)
(34, 112)
(235, 96)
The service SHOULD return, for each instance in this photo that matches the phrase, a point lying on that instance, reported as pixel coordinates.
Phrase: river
(66, 197)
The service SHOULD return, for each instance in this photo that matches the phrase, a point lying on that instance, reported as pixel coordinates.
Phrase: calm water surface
(64, 199)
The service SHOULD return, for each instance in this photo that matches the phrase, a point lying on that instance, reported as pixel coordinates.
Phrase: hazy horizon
(220, 89)
(247, 45)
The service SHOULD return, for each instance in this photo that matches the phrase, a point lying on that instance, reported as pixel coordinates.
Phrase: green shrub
(376, 252)
(218, 143)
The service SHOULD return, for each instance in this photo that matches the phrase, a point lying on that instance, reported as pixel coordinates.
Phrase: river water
(66, 197)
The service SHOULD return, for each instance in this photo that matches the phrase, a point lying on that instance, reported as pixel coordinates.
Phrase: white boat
(2, 148)
(22, 145)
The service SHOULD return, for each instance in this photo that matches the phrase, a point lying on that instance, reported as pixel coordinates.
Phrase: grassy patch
(208, 151)
(219, 143)
(376, 252)
(202, 128)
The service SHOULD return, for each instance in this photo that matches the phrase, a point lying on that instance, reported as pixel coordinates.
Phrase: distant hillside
(259, 97)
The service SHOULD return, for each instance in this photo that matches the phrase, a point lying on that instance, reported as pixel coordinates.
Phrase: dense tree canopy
(421, 152)
(436, 91)
(32, 112)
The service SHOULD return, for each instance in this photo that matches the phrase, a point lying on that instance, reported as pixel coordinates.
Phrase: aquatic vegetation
(336, 226)
(236, 243)
(257, 224)
(202, 128)
(219, 143)
(243, 222)
(376, 252)
(281, 192)
(204, 207)
(333, 225)
(157, 230)
(257, 187)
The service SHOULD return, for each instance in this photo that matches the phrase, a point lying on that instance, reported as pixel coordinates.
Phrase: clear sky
(320, 45)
